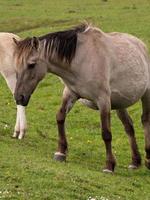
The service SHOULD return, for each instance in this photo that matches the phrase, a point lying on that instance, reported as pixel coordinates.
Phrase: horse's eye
(31, 66)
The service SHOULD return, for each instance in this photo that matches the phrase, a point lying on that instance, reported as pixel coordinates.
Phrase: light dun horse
(105, 70)
(7, 69)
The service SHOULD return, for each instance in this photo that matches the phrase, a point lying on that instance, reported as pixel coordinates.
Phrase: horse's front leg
(68, 101)
(21, 124)
(105, 109)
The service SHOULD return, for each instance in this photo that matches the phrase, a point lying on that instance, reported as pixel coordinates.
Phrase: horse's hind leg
(68, 101)
(146, 124)
(129, 129)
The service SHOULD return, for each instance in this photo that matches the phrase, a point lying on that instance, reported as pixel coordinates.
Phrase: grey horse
(104, 70)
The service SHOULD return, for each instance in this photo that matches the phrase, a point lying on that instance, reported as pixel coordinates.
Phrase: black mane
(63, 43)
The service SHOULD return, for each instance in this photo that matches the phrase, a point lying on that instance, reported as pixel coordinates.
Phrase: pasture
(27, 168)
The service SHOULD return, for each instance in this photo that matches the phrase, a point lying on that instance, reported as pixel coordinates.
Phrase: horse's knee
(127, 122)
(60, 116)
(106, 135)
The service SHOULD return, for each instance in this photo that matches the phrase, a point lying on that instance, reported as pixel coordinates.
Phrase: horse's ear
(15, 41)
(35, 42)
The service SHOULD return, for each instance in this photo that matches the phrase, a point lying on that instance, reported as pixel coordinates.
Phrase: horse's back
(131, 39)
(7, 46)
(6, 41)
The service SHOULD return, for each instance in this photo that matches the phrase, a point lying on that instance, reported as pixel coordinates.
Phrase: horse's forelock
(23, 50)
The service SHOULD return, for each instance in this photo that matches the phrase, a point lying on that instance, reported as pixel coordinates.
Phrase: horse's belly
(128, 86)
(123, 99)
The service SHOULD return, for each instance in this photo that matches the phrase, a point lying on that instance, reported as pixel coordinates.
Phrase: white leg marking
(17, 126)
(107, 171)
(22, 121)
(132, 166)
(60, 154)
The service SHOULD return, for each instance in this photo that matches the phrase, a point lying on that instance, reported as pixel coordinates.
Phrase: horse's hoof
(20, 137)
(60, 156)
(147, 163)
(132, 166)
(15, 135)
(110, 166)
(107, 171)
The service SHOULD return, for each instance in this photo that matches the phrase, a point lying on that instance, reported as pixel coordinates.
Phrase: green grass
(27, 168)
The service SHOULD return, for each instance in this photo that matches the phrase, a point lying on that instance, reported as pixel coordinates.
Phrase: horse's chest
(87, 90)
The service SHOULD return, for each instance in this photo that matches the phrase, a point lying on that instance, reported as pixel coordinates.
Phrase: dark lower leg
(107, 137)
(110, 160)
(129, 129)
(146, 124)
(69, 99)
(136, 157)
(147, 159)
(62, 141)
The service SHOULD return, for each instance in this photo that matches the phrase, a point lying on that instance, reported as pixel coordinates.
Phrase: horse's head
(30, 68)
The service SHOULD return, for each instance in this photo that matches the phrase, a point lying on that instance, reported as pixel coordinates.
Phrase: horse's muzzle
(22, 99)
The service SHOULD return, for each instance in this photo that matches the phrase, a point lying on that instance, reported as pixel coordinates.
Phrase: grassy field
(27, 168)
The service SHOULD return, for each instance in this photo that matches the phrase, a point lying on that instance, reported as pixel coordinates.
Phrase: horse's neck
(64, 72)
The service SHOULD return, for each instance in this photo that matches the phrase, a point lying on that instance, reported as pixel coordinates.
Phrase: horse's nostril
(21, 97)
